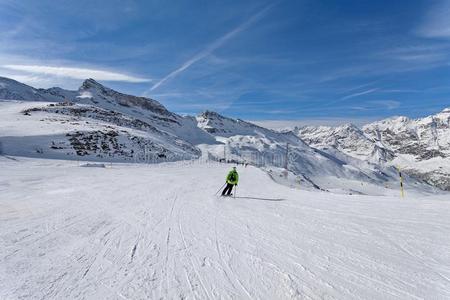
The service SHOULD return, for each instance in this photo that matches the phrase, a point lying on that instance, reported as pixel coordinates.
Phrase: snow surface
(48, 130)
(157, 231)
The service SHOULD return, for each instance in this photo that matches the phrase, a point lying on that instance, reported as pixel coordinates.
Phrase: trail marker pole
(402, 192)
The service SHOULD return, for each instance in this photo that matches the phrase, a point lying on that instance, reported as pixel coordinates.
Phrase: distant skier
(231, 180)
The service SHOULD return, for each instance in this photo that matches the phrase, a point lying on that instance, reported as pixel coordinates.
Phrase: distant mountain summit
(90, 92)
(419, 146)
(346, 138)
(422, 138)
(219, 125)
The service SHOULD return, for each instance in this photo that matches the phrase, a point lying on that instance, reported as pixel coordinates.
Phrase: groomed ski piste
(136, 231)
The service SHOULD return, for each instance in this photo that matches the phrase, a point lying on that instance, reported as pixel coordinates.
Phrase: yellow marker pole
(402, 193)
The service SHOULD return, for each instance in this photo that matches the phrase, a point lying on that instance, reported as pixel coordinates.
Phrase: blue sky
(314, 61)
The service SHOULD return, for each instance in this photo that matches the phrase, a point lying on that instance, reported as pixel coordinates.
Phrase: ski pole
(235, 190)
(220, 188)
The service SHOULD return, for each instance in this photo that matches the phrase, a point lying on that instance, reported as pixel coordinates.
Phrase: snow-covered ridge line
(419, 146)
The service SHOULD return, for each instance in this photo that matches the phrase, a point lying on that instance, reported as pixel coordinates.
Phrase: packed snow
(136, 231)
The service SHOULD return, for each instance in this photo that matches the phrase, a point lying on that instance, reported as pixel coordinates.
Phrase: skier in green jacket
(231, 180)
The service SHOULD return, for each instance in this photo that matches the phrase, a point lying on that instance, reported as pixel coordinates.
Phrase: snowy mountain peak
(399, 119)
(346, 138)
(216, 124)
(108, 98)
(90, 92)
(349, 126)
(94, 86)
(90, 83)
(210, 113)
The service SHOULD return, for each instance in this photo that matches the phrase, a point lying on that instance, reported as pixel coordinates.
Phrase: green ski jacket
(233, 177)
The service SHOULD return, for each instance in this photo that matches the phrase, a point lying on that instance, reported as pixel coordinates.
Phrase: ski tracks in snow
(226, 265)
(189, 256)
(171, 240)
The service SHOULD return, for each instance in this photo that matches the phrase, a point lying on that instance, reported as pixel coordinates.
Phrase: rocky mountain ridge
(421, 147)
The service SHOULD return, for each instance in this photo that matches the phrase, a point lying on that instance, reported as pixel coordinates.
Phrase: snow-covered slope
(421, 147)
(99, 123)
(244, 141)
(157, 232)
(65, 130)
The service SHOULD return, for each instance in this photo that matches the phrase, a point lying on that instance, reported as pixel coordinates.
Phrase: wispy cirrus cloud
(75, 73)
(213, 46)
(359, 94)
(418, 53)
(436, 23)
(376, 105)
(388, 104)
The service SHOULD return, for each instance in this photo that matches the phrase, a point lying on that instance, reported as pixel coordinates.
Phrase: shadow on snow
(264, 199)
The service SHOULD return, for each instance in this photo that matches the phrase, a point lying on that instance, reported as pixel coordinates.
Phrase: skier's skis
(230, 195)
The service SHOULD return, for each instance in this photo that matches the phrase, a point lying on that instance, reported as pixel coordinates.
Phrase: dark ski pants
(228, 189)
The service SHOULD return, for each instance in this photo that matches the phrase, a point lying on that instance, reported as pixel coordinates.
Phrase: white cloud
(436, 22)
(75, 73)
(212, 47)
(418, 54)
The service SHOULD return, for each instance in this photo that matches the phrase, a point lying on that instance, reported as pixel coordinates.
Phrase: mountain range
(419, 147)
(99, 123)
